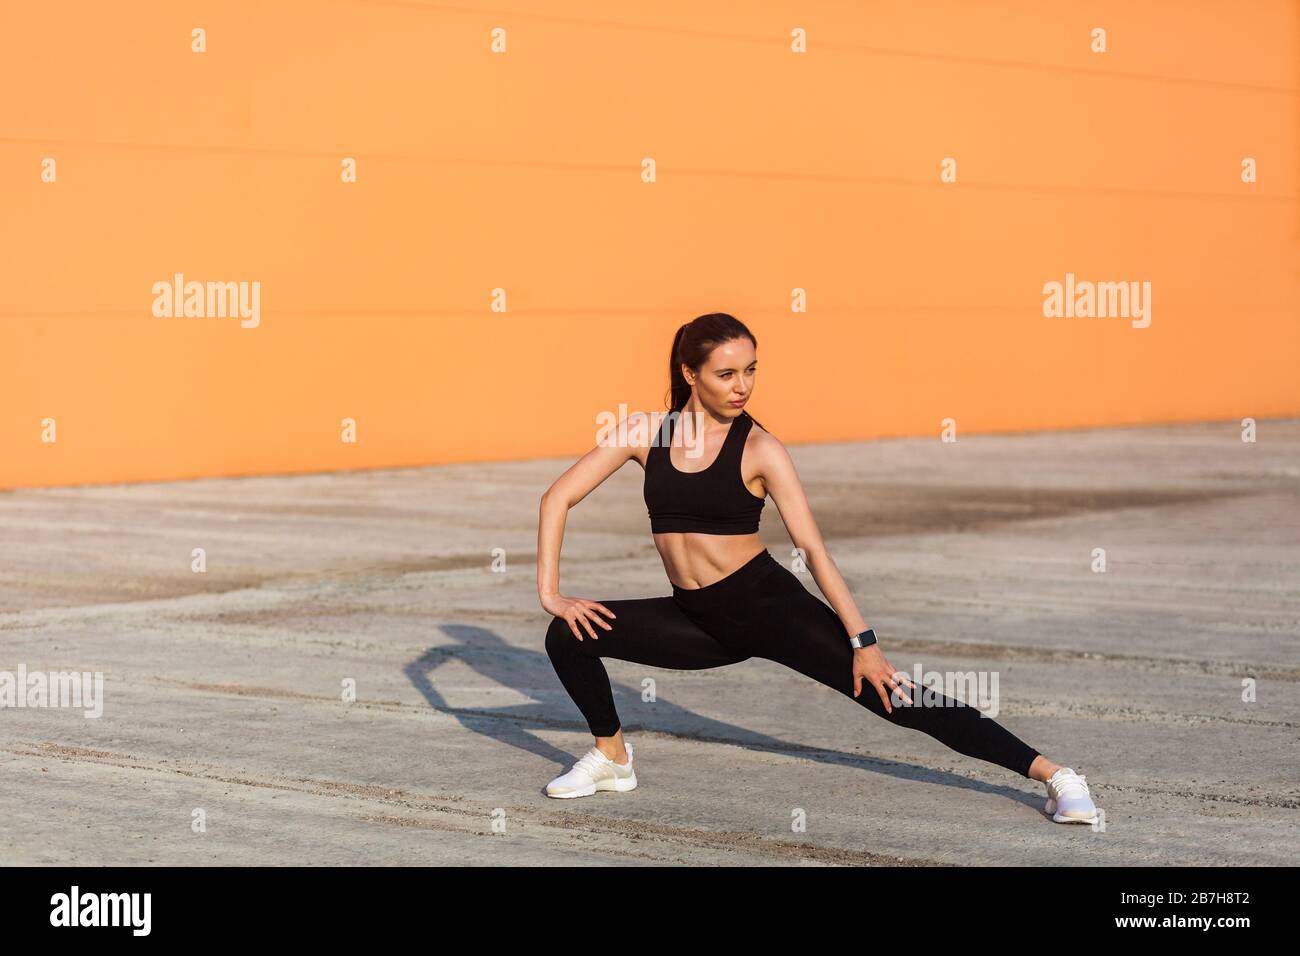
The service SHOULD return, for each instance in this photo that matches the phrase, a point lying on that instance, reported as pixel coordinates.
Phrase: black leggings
(759, 610)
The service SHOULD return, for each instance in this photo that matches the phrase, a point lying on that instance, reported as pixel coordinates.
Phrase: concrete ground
(223, 689)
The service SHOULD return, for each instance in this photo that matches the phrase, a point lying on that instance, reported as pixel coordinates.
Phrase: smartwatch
(865, 639)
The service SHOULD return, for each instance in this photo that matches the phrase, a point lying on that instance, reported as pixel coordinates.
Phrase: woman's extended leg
(651, 631)
(803, 632)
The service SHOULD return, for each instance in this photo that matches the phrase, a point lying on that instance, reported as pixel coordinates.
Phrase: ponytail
(679, 390)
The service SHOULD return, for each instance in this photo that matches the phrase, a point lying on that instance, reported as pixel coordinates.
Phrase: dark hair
(692, 345)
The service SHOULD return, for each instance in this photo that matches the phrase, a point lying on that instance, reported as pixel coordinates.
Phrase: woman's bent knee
(560, 640)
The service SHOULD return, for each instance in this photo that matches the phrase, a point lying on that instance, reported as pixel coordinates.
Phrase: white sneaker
(594, 772)
(1068, 799)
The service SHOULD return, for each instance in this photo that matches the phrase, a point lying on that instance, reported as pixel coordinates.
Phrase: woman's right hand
(576, 610)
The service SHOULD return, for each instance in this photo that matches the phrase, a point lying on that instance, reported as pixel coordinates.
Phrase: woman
(731, 599)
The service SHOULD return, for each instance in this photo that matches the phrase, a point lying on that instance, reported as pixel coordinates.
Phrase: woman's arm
(782, 482)
(583, 477)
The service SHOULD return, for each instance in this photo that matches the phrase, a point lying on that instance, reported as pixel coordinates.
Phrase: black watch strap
(865, 639)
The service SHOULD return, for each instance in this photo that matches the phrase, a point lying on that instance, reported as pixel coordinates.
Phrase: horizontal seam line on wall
(783, 41)
(828, 311)
(683, 170)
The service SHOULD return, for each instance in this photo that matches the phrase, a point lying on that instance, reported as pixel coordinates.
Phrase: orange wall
(521, 170)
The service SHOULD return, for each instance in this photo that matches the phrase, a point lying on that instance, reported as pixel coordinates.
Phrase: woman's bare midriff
(697, 560)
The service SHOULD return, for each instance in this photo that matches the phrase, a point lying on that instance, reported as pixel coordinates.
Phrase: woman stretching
(731, 599)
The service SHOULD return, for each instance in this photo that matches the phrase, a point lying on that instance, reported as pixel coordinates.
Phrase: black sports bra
(712, 501)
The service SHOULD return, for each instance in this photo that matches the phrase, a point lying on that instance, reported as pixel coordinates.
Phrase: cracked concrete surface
(223, 690)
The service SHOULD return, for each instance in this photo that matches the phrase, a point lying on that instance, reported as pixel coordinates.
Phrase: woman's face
(726, 379)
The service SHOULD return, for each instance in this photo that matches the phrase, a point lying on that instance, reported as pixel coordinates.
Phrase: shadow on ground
(520, 669)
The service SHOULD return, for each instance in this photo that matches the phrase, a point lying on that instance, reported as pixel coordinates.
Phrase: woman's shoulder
(645, 425)
(762, 447)
(635, 430)
(760, 437)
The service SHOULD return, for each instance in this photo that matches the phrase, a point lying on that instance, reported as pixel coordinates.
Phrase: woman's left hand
(869, 663)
